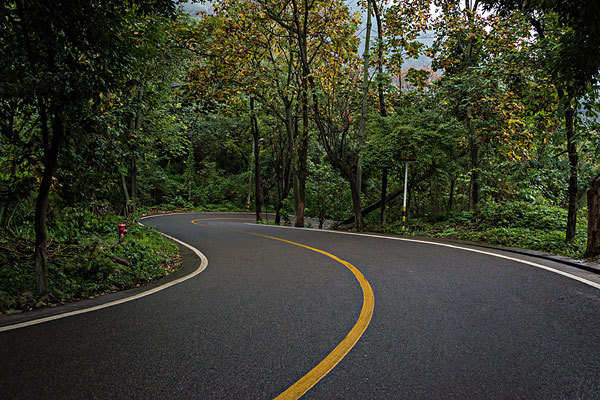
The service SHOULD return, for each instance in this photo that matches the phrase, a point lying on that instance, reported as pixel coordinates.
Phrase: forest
(292, 109)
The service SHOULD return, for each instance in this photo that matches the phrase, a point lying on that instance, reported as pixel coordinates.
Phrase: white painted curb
(533, 264)
(200, 268)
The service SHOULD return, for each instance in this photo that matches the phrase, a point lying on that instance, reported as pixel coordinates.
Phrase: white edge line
(201, 267)
(556, 271)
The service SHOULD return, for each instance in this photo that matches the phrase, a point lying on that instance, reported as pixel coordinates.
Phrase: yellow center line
(210, 219)
(305, 383)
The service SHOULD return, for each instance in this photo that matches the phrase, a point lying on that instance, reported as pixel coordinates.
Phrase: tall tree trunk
(593, 231)
(302, 171)
(363, 109)
(382, 108)
(257, 178)
(474, 183)
(51, 148)
(573, 161)
(284, 174)
(41, 204)
(569, 115)
(300, 31)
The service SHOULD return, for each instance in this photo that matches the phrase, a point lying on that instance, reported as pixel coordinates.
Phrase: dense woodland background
(110, 109)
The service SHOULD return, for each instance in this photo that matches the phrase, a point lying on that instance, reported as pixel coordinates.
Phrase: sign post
(404, 214)
(405, 191)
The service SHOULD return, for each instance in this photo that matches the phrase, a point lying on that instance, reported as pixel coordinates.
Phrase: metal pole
(405, 190)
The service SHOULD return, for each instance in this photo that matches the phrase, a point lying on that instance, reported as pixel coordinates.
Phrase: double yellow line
(305, 383)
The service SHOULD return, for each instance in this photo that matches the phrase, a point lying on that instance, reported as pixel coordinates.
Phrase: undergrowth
(85, 259)
(512, 224)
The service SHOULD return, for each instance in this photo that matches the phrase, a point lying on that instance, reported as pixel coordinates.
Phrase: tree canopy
(290, 107)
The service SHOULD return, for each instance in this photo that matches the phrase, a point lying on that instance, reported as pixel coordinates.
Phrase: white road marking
(533, 264)
(201, 267)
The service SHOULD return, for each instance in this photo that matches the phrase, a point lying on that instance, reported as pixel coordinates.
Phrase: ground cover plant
(511, 224)
(494, 104)
(85, 259)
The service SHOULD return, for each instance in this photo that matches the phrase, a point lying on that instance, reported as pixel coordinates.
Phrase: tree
(67, 56)
(321, 32)
(262, 63)
(327, 192)
(398, 28)
(568, 35)
(425, 132)
(593, 203)
(381, 98)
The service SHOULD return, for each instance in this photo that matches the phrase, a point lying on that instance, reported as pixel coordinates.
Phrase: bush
(538, 227)
(522, 214)
(82, 254)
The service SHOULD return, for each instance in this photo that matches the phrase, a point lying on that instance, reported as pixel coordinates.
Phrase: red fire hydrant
(122, 231)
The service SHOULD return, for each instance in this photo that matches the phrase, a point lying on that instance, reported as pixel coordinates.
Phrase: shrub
(81, 260)
(522, 214)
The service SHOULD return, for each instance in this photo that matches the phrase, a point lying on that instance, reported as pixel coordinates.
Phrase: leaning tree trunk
(593, 230)
(41, 204)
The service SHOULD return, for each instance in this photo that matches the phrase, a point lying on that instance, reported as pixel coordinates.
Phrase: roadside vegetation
(518, 225)
(114, 109)
(85, 259)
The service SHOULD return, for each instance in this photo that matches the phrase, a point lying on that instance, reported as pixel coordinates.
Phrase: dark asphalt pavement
(448, 323)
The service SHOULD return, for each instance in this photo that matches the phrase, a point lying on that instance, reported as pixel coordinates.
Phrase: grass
(84, 260)
(520, 225)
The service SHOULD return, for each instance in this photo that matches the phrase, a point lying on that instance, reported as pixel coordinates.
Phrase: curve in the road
(201, 267)
(452, 246)
(463, 334)
(311, 378)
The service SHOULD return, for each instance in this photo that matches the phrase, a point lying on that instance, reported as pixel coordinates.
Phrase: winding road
(270, 311)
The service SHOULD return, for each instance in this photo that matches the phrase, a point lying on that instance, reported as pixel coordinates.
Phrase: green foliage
(422, 133)
(82, 250)
(513, 224)
(156, 108)
(328, 194)
(522, 214)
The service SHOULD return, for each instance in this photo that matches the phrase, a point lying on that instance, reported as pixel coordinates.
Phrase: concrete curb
(581, 264)
(189, 268)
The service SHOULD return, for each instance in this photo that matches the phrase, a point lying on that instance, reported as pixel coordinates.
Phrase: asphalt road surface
(447, 323)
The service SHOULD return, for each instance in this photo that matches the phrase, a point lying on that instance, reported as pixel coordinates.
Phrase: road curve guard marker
(311, 378)
(201, 267)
